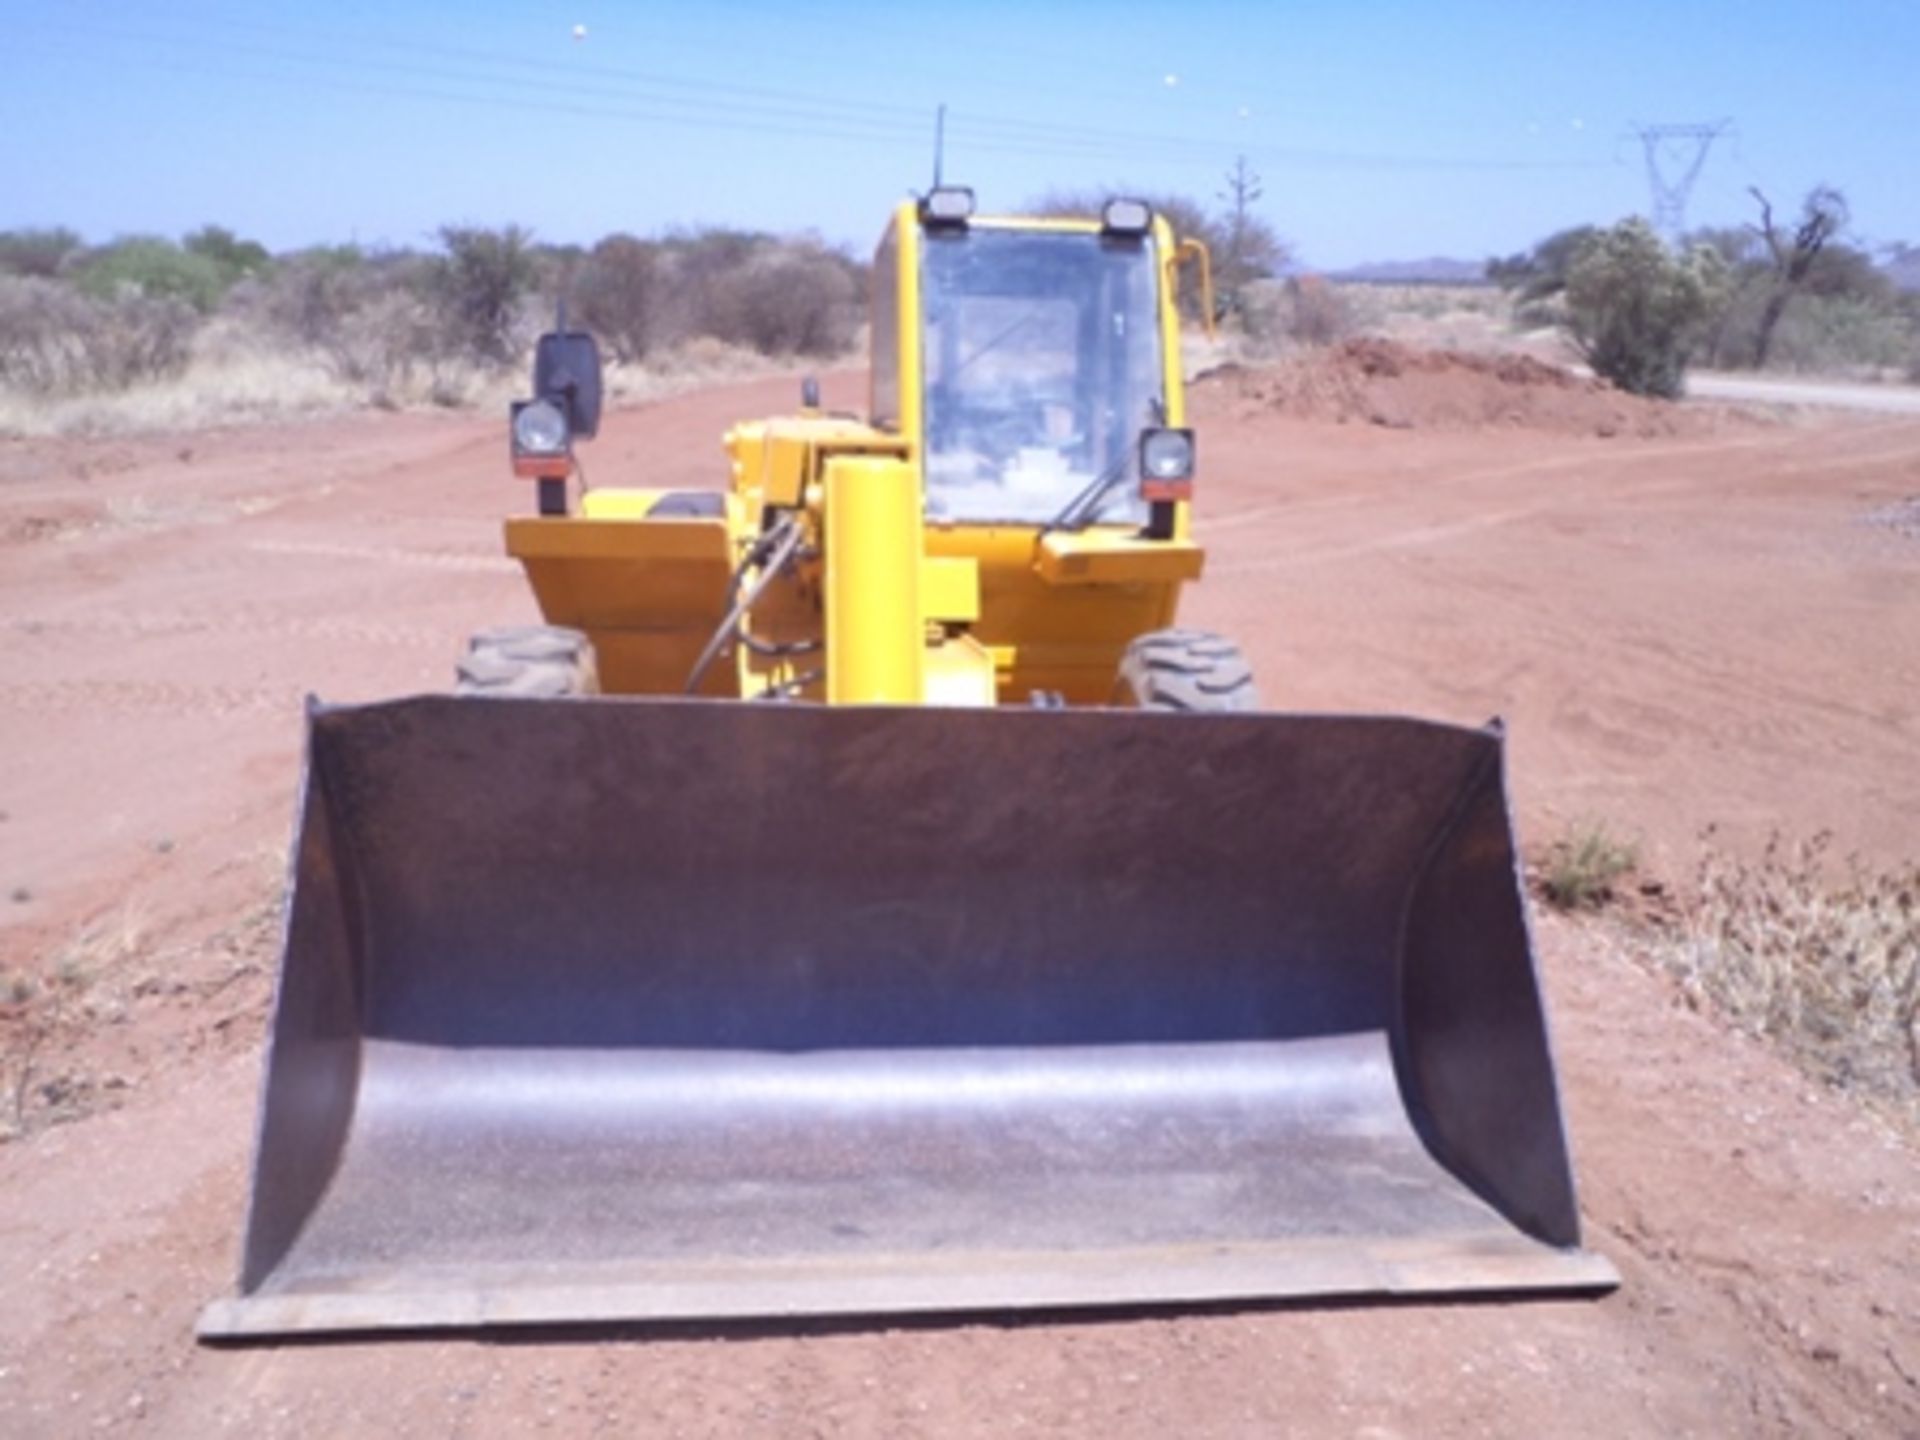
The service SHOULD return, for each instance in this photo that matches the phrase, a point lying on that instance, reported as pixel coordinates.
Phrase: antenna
(1675, 156)
(939, 141)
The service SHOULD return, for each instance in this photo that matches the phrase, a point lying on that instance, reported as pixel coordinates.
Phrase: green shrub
(236, 259)
(1825, 334)
(41, 253)
(152, 268)
(1636, 312)
(1584, 865)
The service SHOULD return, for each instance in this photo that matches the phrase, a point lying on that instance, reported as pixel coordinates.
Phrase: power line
(818, 111)
(530, 103)
(817, 116)
(576, 66)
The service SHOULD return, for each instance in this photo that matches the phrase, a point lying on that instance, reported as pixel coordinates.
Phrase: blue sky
(1380, 130)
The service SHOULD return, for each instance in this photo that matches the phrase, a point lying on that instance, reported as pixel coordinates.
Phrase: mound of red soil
(1382, 382)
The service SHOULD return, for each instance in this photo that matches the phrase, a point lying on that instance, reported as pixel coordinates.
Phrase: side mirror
(566, 368)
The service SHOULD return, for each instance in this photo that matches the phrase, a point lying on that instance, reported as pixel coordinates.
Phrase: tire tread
(1187, 670)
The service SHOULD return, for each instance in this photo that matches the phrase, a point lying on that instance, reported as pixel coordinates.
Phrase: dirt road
(1881, 399)
(1723, 628)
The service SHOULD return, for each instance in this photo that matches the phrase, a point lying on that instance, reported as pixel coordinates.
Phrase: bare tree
(1243, 246)
(1823, 215)
(1252, 251)
(476, 287)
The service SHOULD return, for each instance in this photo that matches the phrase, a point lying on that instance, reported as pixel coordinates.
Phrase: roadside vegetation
(153, 332)
(149, 332)
(1819, 955)
(1584, 868)
(1783, 293)
(64, 1052)
(1816, 954)
(1635, 312)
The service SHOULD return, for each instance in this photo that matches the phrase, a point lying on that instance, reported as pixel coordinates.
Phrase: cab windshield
(1042, 365)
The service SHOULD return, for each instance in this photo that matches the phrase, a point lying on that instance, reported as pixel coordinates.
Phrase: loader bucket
(614, 1010)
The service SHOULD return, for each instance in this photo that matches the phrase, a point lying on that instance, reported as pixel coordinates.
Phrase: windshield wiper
(1084, 507)
(1080, 511)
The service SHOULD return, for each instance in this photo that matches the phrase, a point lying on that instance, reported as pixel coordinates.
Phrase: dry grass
(238, 376)
(1476, 318)
(60, 1056)
(1285, 317)
(239, 379)
(703, 361)
(1818, 956)
(230, 381)
(1200, 352)
(82, 987)
(1902, 517)
(204, 397)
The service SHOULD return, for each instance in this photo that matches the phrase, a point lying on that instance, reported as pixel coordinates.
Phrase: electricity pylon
(1675, 156)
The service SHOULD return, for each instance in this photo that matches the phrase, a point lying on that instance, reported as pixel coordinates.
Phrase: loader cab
(1024, 359)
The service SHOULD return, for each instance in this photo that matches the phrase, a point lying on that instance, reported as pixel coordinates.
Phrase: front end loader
(861, 896)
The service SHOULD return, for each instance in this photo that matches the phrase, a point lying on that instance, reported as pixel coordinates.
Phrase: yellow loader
(861, 898)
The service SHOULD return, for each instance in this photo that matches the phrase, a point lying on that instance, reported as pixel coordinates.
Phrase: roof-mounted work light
(947, 205)
(1127, 218)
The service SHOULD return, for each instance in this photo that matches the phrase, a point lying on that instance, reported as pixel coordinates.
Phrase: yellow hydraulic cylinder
(876, 635)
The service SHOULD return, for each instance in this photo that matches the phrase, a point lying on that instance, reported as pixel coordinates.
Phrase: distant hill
(1901, 265)
(1435, 270)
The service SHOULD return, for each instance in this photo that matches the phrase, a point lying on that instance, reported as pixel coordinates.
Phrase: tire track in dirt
(1739, 668)
(60, 630)
(387, 555)
(1225, 527)
(1219, 525)
(148, 697)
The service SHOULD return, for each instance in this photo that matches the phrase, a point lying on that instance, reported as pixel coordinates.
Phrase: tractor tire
(1185, 670)
(546, 662)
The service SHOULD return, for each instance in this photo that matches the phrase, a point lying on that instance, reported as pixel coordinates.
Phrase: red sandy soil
(1698, 625)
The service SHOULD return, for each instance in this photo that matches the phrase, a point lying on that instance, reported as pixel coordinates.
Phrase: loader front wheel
(547, 662)
(1185, 670)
